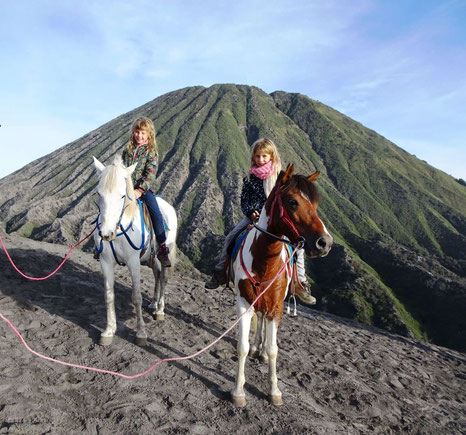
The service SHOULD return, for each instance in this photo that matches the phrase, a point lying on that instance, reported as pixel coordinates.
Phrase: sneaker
(97, 256)
(304, 294)
(162, 255)
(218, 278)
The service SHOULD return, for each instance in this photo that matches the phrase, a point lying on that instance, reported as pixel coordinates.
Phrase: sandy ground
(336, 376)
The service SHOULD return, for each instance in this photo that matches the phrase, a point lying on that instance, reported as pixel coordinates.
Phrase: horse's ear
(99, 166)
(288, 173)
(314, 176)
(130, 169)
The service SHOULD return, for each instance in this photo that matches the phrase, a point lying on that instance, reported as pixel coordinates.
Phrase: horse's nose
(107, 237)
(324, 243)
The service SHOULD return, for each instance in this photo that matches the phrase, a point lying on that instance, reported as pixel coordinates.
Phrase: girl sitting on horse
(142, 149)
(264, 169)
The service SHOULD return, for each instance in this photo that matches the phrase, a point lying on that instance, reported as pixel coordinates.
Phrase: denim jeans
(231, 235)
(155, 216)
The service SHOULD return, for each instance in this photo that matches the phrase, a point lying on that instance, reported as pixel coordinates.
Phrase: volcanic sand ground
(336, 376)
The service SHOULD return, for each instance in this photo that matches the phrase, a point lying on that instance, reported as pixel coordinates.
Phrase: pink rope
(282, 269)
(50, 274)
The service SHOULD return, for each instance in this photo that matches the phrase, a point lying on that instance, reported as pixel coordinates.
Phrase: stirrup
(295, 312)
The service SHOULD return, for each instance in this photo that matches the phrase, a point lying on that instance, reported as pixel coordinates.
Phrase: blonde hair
(266, 145)
(148, 126)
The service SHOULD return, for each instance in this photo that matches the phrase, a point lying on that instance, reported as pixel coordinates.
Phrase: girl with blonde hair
(142, 149)
(265, 165)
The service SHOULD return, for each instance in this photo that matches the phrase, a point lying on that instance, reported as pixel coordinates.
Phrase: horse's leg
(158, 303)
(238, 396)
(263, 357)
(161, 298)
(257, 340)
(108, 272)
(275, 395)
(135, 270)
(155, 298)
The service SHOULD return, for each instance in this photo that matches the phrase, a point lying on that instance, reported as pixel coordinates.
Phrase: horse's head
(292, 208)
(116, 194)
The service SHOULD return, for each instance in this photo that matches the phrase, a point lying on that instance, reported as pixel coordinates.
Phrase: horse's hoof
(264, 359)
(141, 341)
(239, 401)
(105, 341)
(276, 400)
(160, 316)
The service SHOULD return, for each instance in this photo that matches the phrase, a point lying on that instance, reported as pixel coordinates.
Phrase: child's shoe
(219, 277)
(304, 294)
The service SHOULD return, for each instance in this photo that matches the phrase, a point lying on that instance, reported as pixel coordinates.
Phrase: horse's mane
(110, 179)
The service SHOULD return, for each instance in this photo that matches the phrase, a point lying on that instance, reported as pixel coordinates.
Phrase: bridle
(124, 231)
(284, 217)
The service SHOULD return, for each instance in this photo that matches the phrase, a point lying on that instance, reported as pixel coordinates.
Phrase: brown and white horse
(291, 212)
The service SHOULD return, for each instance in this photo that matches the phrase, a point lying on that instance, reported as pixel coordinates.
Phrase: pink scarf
(264, 171)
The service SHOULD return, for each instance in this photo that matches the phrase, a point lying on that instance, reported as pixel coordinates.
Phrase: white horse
(121, 239)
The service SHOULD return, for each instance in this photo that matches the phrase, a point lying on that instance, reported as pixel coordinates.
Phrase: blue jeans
(155, 216)
(231, 235)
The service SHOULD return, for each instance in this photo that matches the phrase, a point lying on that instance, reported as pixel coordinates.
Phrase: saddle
(149, 227)
(148, 224)
(234, 245)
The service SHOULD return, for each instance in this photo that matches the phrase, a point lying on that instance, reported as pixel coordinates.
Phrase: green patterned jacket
(146, 170)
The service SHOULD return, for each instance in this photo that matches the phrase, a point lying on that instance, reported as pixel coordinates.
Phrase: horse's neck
(266, 251)
(131, 216)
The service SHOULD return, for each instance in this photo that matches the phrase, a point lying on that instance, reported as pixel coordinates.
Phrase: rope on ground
(50, 274)
(138, 375)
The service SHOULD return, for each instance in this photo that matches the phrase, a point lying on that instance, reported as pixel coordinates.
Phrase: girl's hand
(137, 193)
(255, 215)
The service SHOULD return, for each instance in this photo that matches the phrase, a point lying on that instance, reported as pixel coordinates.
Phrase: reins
(144, 243)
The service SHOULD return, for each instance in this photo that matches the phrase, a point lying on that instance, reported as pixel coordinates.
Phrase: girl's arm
(247, 198)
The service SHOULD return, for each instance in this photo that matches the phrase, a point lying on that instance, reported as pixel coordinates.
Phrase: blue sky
(396, 66)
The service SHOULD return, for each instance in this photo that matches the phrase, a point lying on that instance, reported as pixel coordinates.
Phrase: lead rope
(94, 369)
(52, 273)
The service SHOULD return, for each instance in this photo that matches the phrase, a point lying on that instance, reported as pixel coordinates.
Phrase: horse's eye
(292, 203)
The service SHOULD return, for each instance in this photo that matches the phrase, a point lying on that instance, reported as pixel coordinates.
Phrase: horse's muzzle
(107, 237)
(320, 247)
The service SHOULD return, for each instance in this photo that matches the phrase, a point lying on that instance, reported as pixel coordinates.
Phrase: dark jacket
(252, 195)
(146, 170)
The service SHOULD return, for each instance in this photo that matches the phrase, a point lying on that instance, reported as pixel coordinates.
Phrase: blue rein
(124, 232)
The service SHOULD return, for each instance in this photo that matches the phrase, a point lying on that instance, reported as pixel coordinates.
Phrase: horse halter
(123, 208)
(284, 216)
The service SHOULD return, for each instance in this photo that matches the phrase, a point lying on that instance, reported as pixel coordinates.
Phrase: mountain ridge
(378, 201)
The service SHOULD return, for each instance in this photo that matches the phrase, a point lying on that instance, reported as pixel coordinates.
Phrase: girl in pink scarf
(263, 173)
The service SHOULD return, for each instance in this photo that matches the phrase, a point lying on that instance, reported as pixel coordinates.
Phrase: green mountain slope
(399, 224)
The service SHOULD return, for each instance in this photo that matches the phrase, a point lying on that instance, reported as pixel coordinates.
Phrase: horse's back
(169, 214)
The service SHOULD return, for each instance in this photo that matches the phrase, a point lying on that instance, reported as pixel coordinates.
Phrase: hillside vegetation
(399, 224)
